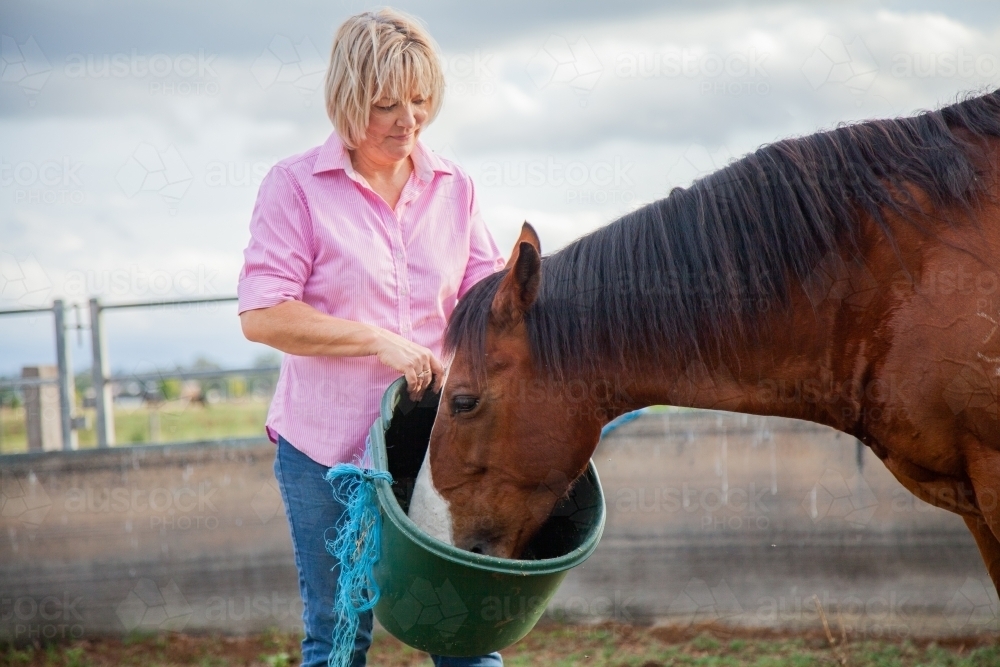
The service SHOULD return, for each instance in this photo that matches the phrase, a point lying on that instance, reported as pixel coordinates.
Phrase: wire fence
(70, 417)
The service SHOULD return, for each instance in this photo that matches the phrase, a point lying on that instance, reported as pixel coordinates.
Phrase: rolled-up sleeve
(279, 258)
(484, 257)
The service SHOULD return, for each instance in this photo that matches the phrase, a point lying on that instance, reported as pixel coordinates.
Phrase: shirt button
(399, 255)
(402, 291)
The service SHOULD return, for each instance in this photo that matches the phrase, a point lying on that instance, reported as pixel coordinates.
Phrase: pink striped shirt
(321, 235)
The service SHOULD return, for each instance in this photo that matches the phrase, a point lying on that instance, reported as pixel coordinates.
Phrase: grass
(551, 645)
(178, 421)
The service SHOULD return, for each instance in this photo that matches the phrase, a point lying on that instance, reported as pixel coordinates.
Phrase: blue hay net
(621, 420)
(356, 547)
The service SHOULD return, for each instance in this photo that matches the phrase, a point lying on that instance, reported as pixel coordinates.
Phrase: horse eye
(464, 403)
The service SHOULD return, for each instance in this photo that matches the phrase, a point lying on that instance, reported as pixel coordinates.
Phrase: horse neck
(816, 353)
(804, 365)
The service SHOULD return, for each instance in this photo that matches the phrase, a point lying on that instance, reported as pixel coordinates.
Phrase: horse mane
(693, 271)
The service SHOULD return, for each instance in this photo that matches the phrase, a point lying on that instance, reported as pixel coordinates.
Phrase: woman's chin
(400, 151)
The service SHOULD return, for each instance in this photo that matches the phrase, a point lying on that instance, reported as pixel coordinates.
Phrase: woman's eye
(385, 107)
(464, 403)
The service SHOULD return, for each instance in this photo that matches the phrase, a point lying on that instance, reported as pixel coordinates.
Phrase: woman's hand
(417, 364)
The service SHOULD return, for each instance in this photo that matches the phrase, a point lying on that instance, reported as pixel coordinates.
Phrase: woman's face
(393, 127)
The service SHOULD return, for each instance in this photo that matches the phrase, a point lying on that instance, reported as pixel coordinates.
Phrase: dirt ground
(550, 645)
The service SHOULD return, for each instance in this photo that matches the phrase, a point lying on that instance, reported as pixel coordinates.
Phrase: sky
(133, 136)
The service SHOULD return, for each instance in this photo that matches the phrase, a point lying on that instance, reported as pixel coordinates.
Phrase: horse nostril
(476, 549)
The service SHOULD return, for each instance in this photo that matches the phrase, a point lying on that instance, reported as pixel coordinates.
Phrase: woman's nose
(408, 118)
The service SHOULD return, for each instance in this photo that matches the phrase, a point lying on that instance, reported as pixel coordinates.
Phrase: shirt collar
(333, 156)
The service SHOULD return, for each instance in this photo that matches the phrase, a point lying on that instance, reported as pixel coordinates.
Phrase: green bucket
(446, 601)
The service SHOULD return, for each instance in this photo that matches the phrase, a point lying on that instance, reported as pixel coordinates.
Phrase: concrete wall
(717, 517)
(712, 517)
(184, 537)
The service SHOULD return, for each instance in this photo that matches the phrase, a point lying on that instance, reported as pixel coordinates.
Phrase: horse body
(907, 361)
(886, 327)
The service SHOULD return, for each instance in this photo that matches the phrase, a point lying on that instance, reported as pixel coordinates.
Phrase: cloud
(67, 27)
(710, 76)
(143, 148)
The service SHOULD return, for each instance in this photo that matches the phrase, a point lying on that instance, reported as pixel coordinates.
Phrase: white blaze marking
(428, 509)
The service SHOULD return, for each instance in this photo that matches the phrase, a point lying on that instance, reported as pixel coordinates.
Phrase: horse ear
(519, 288)
(528, 235)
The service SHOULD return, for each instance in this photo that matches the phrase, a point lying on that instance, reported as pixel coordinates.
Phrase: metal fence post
(105, 422)
(67, 390)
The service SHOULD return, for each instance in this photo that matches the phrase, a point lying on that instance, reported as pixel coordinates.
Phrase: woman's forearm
(297, 328)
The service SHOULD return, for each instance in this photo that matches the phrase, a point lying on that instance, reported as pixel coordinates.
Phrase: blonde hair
(376, 55)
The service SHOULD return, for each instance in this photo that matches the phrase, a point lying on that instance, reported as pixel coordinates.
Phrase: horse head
(506, 443)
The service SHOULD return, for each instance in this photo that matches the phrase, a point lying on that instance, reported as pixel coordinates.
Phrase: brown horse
(849, 278)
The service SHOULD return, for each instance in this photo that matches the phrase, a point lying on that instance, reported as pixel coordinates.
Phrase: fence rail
(194, 375)
(102, 378)
(168, 302)
(25, 311)
(19, 383)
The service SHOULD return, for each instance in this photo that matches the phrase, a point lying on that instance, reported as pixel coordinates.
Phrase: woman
(359, 250)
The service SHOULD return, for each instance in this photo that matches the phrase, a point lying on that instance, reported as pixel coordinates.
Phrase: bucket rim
(493, 564)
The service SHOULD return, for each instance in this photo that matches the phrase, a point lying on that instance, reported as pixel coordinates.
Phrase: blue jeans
(311, 509)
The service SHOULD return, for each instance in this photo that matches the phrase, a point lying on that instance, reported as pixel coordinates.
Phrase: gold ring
(419, 375)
